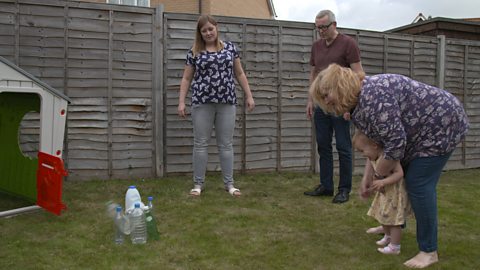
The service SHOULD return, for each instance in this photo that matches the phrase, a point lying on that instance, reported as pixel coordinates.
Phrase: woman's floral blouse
(213, 79)
(408, 118)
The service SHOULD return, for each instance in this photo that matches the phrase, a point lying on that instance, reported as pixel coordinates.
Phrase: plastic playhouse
(37, 180)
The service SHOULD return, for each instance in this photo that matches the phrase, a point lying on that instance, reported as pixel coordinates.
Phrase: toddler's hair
(359, 138)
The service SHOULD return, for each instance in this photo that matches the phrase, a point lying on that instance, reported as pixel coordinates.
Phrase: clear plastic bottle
(138, 233)
(124, 224)
(152, 230)
(118, 224)
(110, 209)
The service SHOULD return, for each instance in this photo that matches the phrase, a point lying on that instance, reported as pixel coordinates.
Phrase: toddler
(390, 206)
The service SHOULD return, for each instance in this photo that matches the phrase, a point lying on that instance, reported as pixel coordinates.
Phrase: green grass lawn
(272, 226)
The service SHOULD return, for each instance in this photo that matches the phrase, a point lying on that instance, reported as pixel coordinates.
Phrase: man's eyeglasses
(323, 27)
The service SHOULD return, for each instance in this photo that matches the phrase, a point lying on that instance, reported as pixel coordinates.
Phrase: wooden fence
(122, 67)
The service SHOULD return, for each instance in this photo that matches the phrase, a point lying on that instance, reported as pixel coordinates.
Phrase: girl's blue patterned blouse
(213, 78)
(408, 118)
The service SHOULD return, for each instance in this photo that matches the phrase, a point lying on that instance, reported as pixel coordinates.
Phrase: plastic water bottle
(152, 230)
(110, 209)
(138, 233)
(119, 223)
(123, 223)
(131, 197)
(125, 226)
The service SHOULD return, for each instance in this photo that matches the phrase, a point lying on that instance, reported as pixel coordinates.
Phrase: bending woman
(418, 126)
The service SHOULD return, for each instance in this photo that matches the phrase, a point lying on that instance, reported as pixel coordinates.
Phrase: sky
(376, 15)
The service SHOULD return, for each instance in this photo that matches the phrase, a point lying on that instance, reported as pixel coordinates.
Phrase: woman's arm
(184, 86)
(385, 167)
(379, 116)
(242, 80)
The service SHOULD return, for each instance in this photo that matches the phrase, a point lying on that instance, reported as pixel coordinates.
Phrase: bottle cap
(119, 209)
(150, 198)
(132, 187)
(137, 205)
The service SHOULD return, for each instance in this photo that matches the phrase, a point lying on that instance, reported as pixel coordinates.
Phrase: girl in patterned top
(390, 205)
(210, 66)
(418, 126)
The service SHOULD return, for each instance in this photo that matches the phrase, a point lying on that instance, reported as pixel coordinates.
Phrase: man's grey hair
(326, 12)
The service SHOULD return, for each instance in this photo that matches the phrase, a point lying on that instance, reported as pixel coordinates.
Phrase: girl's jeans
(205, 117)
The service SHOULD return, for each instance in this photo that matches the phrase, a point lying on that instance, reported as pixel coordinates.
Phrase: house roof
(36, 80)
(472, 19)
(466, 22)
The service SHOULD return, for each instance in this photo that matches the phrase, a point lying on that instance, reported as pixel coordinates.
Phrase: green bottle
(152, 230)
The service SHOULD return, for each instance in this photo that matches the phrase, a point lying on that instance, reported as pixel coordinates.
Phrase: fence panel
(294, 70)
(122, 68)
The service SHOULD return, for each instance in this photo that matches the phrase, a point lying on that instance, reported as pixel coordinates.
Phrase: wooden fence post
(441, 61)
(158, 92)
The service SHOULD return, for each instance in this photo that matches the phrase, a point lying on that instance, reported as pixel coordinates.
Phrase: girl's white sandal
(234, 192)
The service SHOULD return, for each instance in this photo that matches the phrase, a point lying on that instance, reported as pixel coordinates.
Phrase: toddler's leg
(393, 247)
(395, 234)
(386, 237)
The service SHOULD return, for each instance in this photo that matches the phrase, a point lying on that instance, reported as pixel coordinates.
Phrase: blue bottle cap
(132, 187)
(137, 205)
(119, 209)
(150, 198)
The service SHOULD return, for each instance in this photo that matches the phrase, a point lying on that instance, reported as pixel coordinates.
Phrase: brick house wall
(246, 8)
(257, 9)
(179, 6)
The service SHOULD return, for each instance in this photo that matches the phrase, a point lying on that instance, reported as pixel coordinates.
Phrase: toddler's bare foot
(422, 260)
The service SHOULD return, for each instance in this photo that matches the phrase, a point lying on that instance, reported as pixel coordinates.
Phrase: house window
(140, 3)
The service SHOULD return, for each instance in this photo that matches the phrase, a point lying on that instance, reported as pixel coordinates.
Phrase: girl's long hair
(199, 43)
(342, 84)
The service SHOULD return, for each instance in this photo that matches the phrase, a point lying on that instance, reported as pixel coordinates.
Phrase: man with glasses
(332, 47)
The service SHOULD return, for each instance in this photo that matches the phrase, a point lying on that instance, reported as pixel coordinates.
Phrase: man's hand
(309, 109)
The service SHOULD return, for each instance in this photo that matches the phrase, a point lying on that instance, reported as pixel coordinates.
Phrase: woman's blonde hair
(341, 84)
(199, 43)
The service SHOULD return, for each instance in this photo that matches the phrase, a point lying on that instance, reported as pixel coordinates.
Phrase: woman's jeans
(205, 117)
(325, 125)
(421, 178)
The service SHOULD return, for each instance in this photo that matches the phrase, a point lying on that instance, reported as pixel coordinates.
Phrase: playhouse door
(50, 175)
